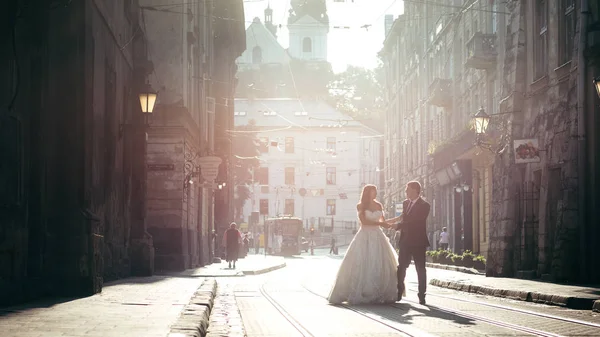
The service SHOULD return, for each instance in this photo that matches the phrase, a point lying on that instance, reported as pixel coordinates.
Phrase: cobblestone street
(291, 302)
(288, 301)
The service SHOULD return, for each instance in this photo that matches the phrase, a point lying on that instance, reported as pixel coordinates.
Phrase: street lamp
(462, 188)
(147, 99)
(597, 85)
(482, 120)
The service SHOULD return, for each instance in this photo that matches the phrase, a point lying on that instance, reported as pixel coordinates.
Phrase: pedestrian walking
(246, 245)
(333, 249)
(444, 236)
(231, 241)
(257, 237)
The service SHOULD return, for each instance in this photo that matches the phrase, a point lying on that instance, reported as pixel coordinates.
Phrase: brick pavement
(570, 296)
(144, 307)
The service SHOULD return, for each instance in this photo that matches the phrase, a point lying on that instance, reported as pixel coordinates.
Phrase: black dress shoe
(399, 297)
(422, 300)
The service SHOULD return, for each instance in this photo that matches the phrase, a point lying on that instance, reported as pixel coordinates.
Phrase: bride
(368, 272)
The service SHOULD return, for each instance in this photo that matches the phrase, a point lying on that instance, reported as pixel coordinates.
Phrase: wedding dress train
(368, 271)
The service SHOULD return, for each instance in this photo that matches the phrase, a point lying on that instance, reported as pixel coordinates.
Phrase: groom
(413, 240)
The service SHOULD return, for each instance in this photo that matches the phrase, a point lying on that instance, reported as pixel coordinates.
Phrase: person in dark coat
(232, 240)
(413, 239)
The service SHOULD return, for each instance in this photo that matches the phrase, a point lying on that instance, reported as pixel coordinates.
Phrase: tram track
(475, 317)
(307, 333)
(286, 314)
(499, 323)
(517, 310)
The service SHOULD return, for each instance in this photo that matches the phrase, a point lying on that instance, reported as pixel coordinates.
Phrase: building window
(541, 40)
(263, 144)
(567, 31)
(290, 175)
(289, 144)
(264, 206)
(330, 206)
(330, 176)
(289, 207)
(307, 45)
(262, 176)
(331, 144)
(256, 55)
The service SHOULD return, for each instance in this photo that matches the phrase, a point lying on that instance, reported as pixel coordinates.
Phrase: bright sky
(353, 46)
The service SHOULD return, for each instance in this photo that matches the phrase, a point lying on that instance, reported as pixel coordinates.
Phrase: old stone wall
(536, 213)
(64, 219)
(503, 222)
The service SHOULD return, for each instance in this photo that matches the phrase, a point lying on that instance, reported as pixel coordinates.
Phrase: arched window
(307, 45)
(256, 55)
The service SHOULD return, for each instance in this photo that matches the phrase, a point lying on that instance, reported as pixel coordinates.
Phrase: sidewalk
(142, 306)
(178, 304)
(570, 296)
(250, 265)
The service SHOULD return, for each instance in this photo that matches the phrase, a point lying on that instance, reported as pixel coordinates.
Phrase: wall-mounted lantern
(147, 99)
(481, 121)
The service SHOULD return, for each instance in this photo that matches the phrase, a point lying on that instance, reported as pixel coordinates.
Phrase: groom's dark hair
(415, 185)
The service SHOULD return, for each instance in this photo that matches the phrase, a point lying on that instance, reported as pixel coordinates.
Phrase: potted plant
(443, 256)
(479, 262)
(467, 259)
(457, 260)
(430, 255)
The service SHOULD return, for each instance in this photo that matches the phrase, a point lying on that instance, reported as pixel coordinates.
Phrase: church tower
(308, 26)
(269, 20)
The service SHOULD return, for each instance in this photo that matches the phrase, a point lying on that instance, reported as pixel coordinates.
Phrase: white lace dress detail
(368, 271)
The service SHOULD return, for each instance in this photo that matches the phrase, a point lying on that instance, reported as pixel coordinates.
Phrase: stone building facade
(518, 61)
(436, 81)
(76, 208)
(195, 73)
(314, 161)
(71, 133)
(542, 223)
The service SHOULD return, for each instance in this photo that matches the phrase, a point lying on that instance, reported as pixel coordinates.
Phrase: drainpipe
(581, 136)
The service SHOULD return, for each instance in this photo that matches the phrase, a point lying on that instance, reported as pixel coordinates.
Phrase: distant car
(304, 245)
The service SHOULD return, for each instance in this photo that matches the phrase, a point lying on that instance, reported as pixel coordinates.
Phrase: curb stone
(265, 270)
(194, 318)
(454, 268)
(225, 319)
(570, 302)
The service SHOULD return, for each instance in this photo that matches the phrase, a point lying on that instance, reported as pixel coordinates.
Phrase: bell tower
(269, 20)
(308, 26)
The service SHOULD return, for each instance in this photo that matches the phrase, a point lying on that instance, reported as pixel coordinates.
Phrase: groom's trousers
(418, 255)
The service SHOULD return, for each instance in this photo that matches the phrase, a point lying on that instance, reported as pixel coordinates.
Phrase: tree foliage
(358, 92)
(299, 79)
(246, 152)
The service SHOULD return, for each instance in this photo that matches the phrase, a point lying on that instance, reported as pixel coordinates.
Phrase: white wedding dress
(368, 271)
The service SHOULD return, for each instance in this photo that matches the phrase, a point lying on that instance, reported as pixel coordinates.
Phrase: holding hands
(390, 222)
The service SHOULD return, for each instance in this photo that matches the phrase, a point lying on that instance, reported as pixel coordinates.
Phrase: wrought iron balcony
(481, 51)
(440, 92)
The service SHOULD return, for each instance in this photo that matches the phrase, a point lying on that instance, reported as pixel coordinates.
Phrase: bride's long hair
(365, 197)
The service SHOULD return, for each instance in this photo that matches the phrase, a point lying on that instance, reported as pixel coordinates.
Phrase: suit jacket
(414, 224)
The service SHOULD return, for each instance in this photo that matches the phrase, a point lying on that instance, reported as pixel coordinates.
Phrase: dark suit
(413, 242)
